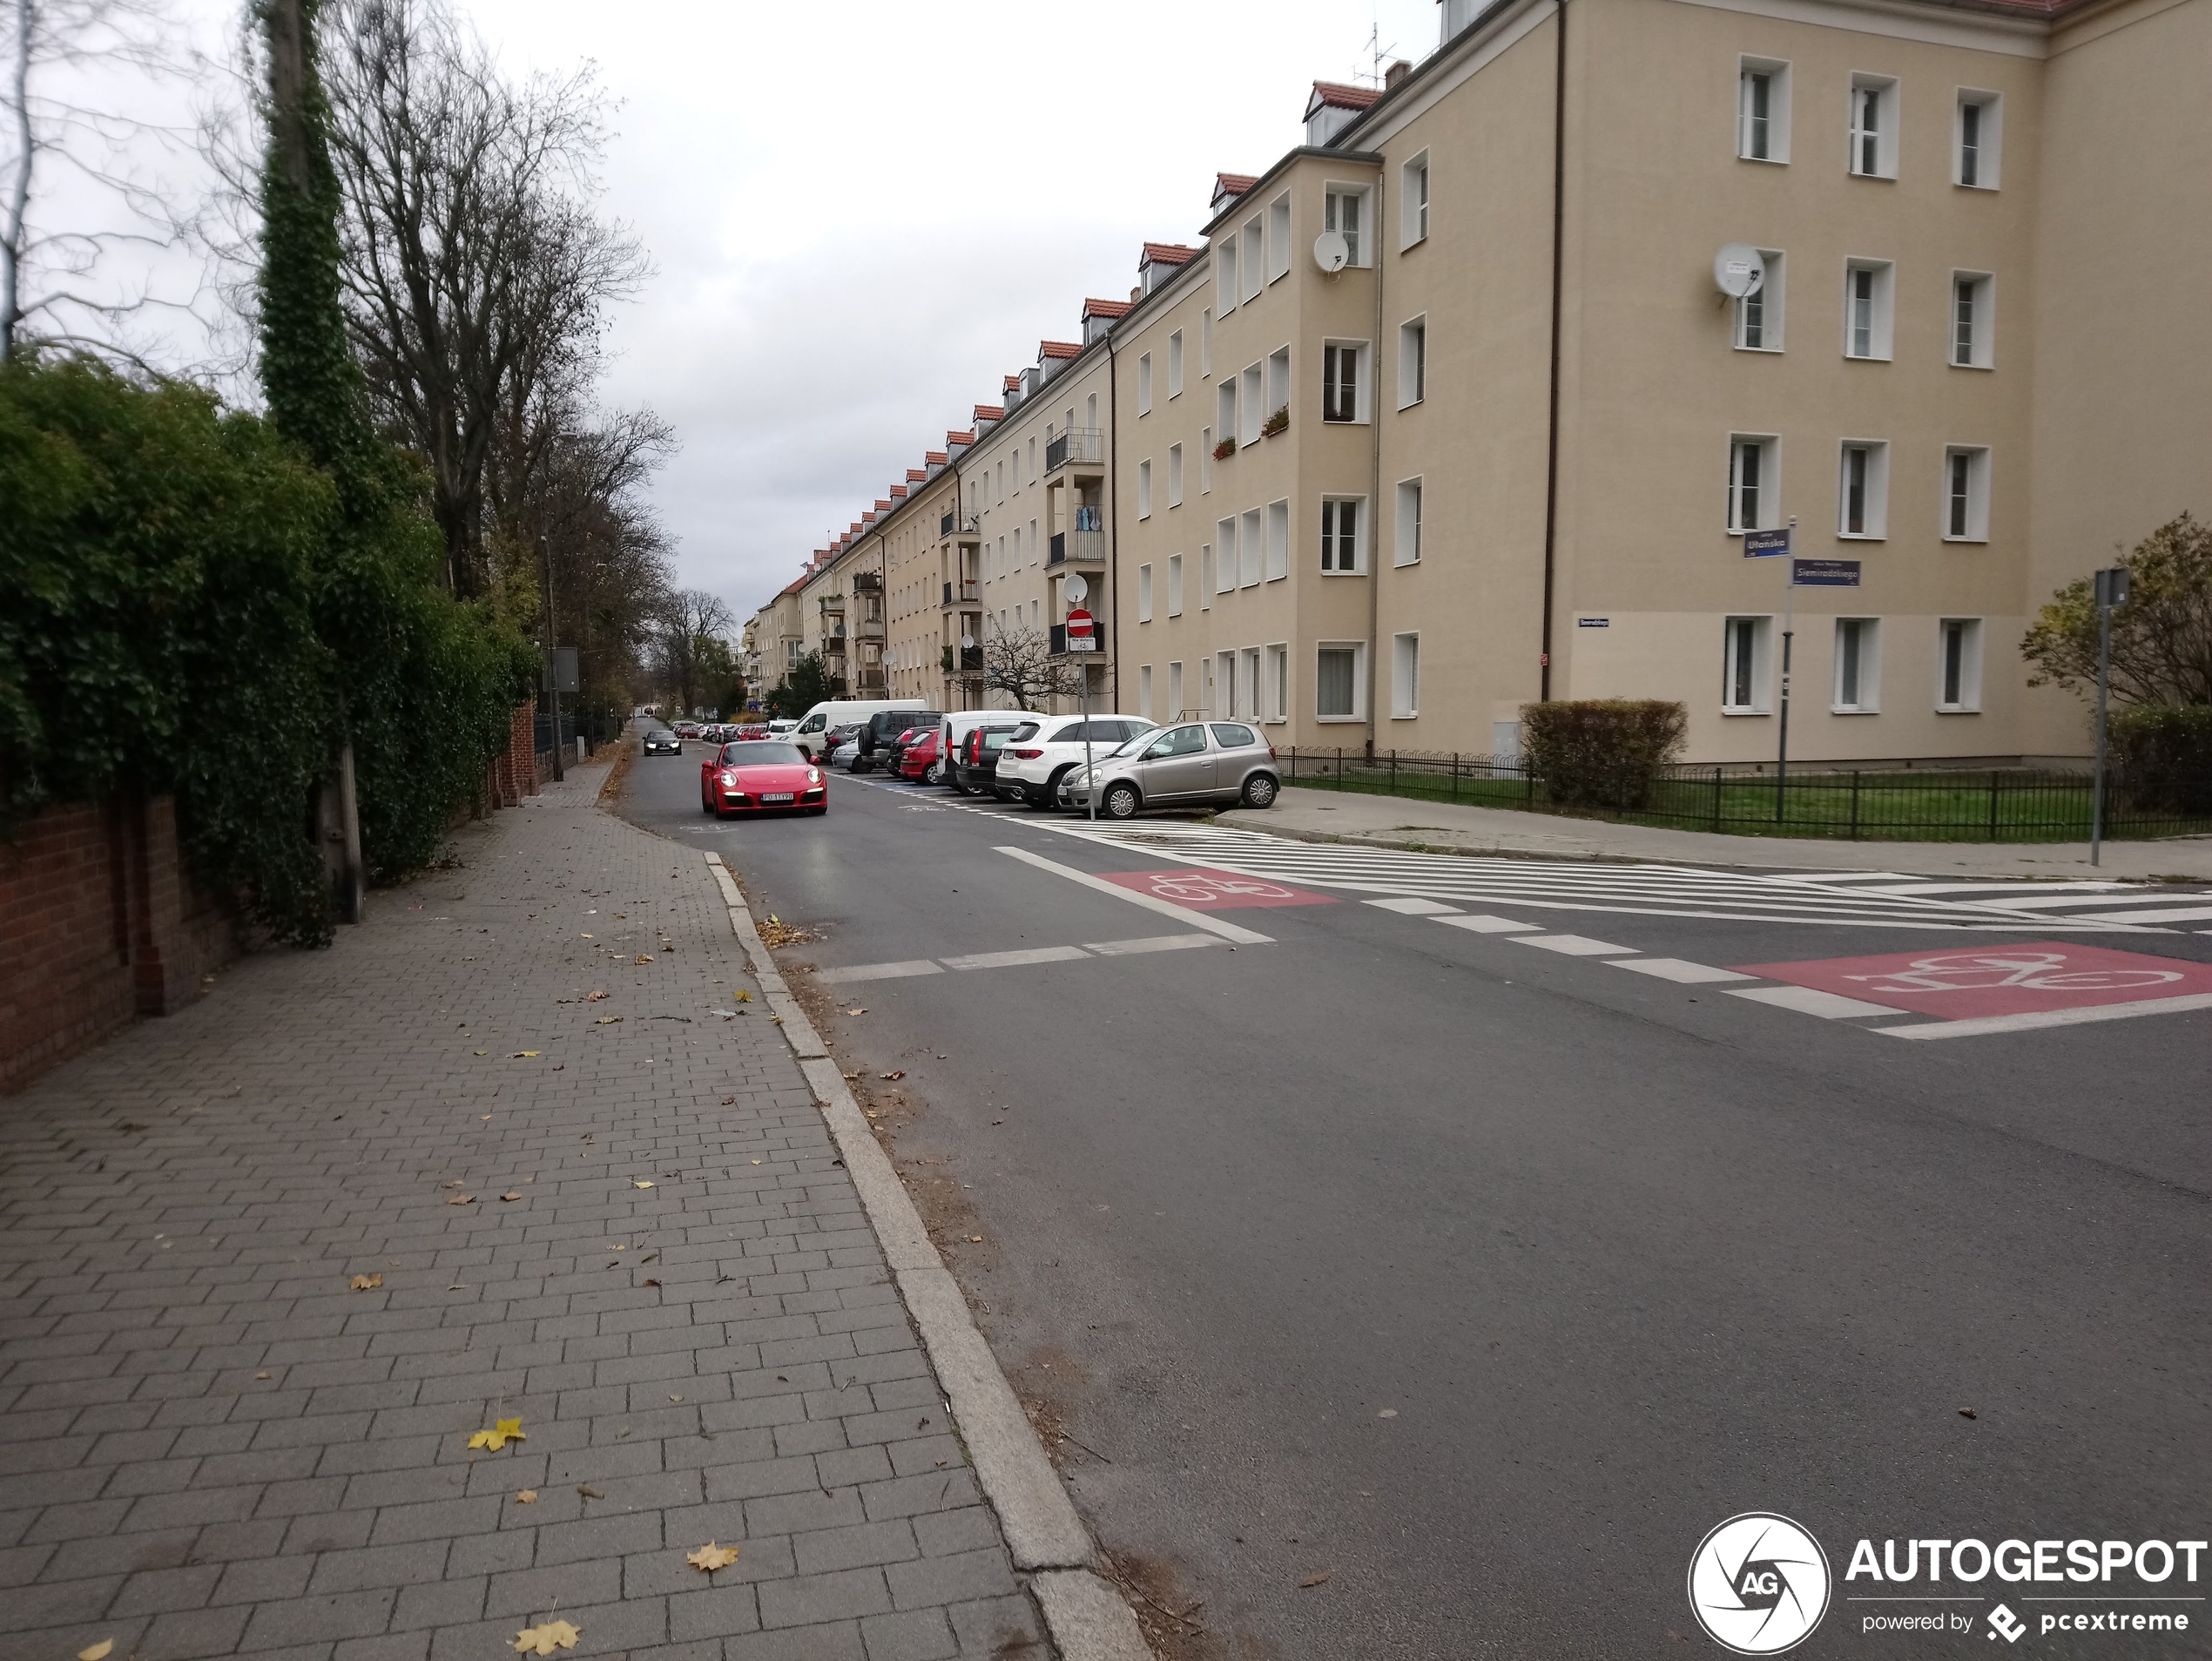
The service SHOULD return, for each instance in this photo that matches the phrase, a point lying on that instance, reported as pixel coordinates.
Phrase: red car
(919, 756)
(752, 730)
(762, 776)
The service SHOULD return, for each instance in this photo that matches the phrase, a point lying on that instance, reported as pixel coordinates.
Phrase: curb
(1088, 1619)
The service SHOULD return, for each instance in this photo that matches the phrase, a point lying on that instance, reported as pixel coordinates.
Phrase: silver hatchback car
(1194, 764)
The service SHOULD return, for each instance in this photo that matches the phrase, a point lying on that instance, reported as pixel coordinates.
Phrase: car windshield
(763, 753)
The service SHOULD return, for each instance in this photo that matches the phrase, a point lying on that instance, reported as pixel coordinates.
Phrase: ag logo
(1758, 1584)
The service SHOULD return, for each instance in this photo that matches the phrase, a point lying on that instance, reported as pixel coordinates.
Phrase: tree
(806, 683)
(1020, 663)
(2161, 640)
(692, 618)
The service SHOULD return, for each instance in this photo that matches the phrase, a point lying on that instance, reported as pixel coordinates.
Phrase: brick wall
(100, 924)
(513, 775)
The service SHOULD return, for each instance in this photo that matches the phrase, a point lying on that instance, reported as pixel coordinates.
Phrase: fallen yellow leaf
(520, 1055)
(711, 1557)
(642, 1185)
(510, 1196)
(742, 996)
(461, 1199)
(366, 1282)
(526, 1496)
(499, 1436)
(644, 957)
(593, 998)
(100, 1650)
(554, 1635)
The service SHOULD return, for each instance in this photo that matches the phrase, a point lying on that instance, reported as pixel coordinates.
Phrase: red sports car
(762, 777)
(919, 756)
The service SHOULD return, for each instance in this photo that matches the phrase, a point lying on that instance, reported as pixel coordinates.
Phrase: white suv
(1034, 759)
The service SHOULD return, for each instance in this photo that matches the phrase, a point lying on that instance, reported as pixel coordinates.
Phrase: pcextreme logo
(1758, 1583)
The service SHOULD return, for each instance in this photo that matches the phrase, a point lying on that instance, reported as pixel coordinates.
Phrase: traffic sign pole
(2111, 591)
(1788, 639)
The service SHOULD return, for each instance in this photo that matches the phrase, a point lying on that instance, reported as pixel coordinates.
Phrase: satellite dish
(1331, 252)
(1076, 588)
(967, 643)
(1739, 270)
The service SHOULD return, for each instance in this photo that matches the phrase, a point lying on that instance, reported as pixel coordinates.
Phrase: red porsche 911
(763, 776)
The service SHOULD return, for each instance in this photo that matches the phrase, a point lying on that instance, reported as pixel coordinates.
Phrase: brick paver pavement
(620, 1220)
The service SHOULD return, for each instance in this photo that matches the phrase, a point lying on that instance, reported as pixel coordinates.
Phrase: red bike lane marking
(1213, 890)
(1962, 983)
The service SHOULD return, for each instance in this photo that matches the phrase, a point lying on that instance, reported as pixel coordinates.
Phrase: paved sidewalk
(621, 1221)
(1401, 822)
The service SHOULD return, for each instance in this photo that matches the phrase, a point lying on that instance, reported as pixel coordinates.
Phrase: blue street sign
(1766, 545)
(1823, 573)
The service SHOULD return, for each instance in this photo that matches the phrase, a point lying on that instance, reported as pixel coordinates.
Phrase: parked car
(781, 729)
(842, 756)
(893, 755)
(1031, 763)
(1196, 764)
(687, 729)
(882, 732)
(661, 741)
(919, 759)
(973, 769)
(814, 725)
(954, 727)
(762, 775)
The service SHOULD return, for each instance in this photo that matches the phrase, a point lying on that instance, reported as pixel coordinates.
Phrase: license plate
(784, 795)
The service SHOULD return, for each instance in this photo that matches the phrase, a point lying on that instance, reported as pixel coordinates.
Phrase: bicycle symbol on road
(2034, 971)
(1204, 890)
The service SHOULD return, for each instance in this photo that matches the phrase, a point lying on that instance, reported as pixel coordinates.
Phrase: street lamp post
(552, 659)
(2111, 592)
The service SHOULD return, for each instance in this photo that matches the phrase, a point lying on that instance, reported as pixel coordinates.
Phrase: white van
(842, 711)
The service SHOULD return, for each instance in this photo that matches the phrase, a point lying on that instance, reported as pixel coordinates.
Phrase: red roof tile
(897, 493)
(937, 457)
(1233, 184)
(1058, 349)
(1012, 381)
(959, 438)
(1167, 253)
(989, 412)
(1337, 96)
(915, 476)
(1105, 309)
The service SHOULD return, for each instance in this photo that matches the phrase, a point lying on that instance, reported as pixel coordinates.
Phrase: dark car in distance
(974, 763)
(663, 741)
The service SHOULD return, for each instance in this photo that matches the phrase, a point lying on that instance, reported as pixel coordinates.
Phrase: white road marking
(1808, 1000)
(1414, 907)
(1481, 924)
(1573, 945)
(1014, 959)
(1993, 889)
(2186, 914)
(2034, 1018)
(878, 971)
(1677, 969)
(1152, 943)
(1227, 931)
(2053, 902)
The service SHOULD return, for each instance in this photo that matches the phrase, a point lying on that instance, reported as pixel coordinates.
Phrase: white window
(1754, 482)
(1344, 534)
(1763, 110)
(1278, 237)
(1250, 551)
(1278, 384)
(1758, 314)
(1206, 342)
(1144, 384)
(1408, 527)
(1145, 691)
(1275, 684)
(1744, 665)
(1958, 666)
(1412, 201)
(1224, 398)
(1224, 558)
(1873, 126)
(1175, 364)
(1144, 489)
(1405, 677)
(1174, 475)
(1412, 362)
(1966, 493)
(1973, 319)
(1000, 470)
(1858, 666)
(1344, 380)
(1251, 411)
(1224, 682)
(1254, 258)
(1175, 690)
(1205, 575)
(1036, 547)
(1033, 460)
(1344, 210)
(1205, 460)
(1868, 313)
(1144, 593)
(1224, 279)
(1279, 539)
(1175, 585)
(1977, 145)
(1337, 681)
(1862, 488)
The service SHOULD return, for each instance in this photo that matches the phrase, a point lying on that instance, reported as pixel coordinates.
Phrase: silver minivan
(1195, 764)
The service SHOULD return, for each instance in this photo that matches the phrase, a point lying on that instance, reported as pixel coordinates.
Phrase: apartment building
(1511, 448)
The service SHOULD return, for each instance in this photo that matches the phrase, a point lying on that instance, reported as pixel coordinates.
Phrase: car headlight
(730, 779)
(812, 777)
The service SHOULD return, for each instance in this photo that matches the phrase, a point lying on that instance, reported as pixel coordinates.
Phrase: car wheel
(706, 807)
(1259, 790)
(1120, 801)
(1045, 797)
(933, 774)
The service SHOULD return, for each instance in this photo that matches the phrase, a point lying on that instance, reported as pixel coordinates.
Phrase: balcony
(833, 646)
(867, 582)
(868, 629)
(966, 527)
(1078, 548)
(971, 661)
(1078, 446)
(870, 678)
(960, 593)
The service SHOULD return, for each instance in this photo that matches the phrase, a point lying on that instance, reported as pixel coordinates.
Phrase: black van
(881, 728)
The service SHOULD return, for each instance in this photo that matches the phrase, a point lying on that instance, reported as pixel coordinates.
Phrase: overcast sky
(865, 215)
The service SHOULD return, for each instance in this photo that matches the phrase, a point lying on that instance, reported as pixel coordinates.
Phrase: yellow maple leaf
(526, 1496)
(98, 1652)
(640, 1184)
(543, 1640)
(366, 1282)
(711, 1557)
(498, 1436)
(521, 1054)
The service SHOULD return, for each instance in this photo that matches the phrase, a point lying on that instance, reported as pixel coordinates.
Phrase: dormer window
(1334, 107)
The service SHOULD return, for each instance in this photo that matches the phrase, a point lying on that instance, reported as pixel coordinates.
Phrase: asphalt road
(1483, 1281)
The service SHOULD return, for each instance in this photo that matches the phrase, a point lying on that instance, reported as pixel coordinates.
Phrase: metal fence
(1920, 804)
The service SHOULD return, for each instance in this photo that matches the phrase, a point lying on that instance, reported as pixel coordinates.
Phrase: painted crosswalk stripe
(1413, 907)
(1151, 943)
(1015, 958)
(1480, 924)
(2184, 914)
(1976, 1026)
(877, 971)
(1573, 945)
(1808, 1000)
(1681, 969)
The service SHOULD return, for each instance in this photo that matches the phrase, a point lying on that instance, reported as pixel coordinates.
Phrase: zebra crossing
(1845, 899)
